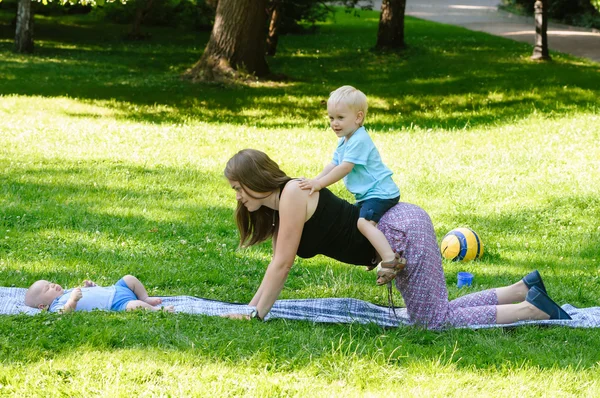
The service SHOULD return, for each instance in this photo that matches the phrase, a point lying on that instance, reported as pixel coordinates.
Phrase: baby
(127, 294)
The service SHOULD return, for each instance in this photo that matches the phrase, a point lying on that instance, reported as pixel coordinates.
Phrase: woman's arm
(292, 216)
(256, 297)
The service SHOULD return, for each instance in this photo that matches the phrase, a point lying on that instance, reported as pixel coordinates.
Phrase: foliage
(577, 12)
(195, 14)
(111, 164)
(297, 14)
(50, 8)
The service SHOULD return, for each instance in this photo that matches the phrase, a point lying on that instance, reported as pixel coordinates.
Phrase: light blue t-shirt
(369, 177)
(96, 297)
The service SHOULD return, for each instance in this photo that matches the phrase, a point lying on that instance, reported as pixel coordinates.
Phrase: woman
(272, 205)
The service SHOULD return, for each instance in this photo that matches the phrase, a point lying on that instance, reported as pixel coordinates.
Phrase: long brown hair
(255, 170)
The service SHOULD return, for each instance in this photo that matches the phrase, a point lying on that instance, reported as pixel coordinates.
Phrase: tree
(24, 31)
(540, 50)
(24, 23)
(273, 35)
(142, 8)
(390, 35)
(236, 44)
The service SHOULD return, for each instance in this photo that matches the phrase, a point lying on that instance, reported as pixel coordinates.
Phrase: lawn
(110, 164)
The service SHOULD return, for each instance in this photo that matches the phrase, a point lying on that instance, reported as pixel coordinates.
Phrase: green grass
(111, 164)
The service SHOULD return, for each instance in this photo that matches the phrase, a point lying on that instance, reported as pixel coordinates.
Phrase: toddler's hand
(88, 283)
(76, 294)
(303, 184)
(314, 185)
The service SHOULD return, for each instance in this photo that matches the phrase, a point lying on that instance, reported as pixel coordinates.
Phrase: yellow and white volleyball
(461, 244)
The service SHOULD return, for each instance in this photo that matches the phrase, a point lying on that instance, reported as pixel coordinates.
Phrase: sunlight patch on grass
(344, 371)
(434, 80)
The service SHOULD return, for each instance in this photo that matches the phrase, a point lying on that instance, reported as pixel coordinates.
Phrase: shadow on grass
(448, 78)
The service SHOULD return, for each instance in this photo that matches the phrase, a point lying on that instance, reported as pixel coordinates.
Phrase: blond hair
(355, 99)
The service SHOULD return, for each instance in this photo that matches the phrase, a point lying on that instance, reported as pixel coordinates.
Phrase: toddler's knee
(363, 224)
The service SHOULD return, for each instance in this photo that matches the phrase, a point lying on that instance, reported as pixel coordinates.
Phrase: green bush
(197, 14)
(194, 14)
(308, 11)
(575, 12)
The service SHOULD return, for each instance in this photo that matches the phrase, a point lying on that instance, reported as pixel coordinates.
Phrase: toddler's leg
(134, 304)
(377, 239)
(391, 263)
(140, 291)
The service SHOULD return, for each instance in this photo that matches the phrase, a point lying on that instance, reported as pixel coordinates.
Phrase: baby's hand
(88, 283)
(76, 294)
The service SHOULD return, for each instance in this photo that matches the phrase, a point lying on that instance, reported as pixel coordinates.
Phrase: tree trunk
(391, 25)
(236, 44)
(540, 49)
(24, 31)
(273, 36)
(141, 11)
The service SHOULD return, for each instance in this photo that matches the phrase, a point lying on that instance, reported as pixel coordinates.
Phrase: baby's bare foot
(153, 301)
(168, 308)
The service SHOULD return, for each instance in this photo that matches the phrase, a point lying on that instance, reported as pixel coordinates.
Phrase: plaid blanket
(323, 310)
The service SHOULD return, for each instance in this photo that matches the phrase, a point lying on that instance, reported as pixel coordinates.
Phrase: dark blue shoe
(541, 300)
(535, 279)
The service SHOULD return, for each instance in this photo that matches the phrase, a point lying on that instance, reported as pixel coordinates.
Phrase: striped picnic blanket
(322, 310)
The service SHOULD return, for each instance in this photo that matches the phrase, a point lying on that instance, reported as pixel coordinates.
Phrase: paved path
(484, 16)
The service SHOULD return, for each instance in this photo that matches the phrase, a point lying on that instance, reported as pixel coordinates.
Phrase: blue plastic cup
(464, 279)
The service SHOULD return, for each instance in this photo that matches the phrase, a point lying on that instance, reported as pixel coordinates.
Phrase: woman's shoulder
(292, 187)
(294, 198)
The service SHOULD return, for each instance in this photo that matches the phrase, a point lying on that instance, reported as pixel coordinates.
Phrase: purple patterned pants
(408, 228)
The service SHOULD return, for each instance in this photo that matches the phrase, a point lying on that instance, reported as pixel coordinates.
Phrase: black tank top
(332, 231)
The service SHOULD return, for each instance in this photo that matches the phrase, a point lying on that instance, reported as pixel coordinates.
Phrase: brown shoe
(387, 270)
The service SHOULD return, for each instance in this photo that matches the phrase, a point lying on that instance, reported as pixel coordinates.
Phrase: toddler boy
(357, 161)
